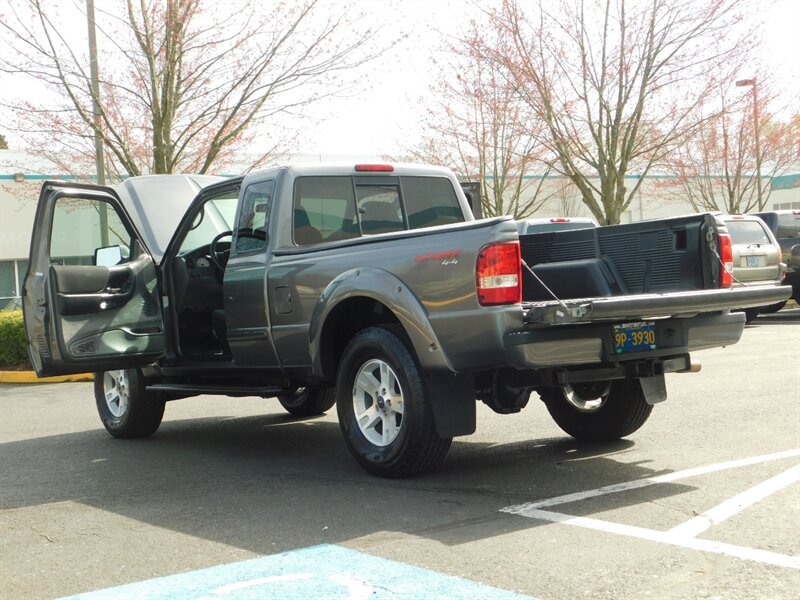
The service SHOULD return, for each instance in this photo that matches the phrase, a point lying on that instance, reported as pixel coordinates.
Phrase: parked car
(785, 225)
(542, 225)
(756, 255)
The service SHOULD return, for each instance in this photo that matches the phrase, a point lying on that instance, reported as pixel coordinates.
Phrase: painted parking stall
(325, 571)
(684, 534)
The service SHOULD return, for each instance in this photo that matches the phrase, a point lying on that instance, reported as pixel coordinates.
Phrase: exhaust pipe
(694, 367)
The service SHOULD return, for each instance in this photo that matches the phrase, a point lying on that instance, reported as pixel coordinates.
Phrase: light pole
(98, 140)
(753, 83)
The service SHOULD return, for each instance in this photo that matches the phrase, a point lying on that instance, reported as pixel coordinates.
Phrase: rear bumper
(588, 344)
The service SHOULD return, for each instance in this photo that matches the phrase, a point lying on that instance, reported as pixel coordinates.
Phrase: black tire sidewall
(624, 411)
(143, 414)
(382, 344)
(308, 403)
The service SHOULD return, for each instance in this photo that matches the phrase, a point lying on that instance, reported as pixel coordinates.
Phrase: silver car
(756, 254)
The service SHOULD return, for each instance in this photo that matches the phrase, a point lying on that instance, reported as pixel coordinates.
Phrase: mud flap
(654, 389)
(453, 402)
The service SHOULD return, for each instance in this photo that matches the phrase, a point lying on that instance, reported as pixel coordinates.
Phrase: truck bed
(665, 255)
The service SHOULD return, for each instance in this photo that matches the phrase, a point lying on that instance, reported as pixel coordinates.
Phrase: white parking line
(683, 535)
(700, 523)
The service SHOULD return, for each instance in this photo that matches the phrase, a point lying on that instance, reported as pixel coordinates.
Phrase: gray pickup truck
(370, 287)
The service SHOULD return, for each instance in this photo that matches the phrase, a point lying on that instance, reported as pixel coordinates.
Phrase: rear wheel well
(343, 323)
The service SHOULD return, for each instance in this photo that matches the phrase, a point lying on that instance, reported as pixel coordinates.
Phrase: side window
(324, 210)
(251, 229)
(430, 201)
(88, 232)
(787, 227)
(379, 208)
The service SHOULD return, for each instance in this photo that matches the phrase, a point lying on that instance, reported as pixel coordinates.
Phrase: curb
(30, 377)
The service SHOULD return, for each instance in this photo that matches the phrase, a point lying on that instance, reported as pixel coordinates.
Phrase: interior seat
(304, 233)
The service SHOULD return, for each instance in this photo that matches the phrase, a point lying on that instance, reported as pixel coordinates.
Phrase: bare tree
(616, 82)
(717, 169)
(478, 126)
(184, 84)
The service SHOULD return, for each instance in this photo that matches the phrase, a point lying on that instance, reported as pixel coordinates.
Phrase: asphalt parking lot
(702, 502)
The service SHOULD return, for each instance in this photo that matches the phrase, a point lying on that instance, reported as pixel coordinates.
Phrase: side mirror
(108, 256)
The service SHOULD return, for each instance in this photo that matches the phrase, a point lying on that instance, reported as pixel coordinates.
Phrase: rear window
(541, 227)
(343, 207)
(379, 206)
(324, 210)
(430, 201)
(788, 227)
(747, 232)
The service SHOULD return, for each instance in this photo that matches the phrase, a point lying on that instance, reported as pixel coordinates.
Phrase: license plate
(634, 337)
(753, 261)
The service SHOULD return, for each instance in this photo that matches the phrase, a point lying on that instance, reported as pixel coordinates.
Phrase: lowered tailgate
(640, 306)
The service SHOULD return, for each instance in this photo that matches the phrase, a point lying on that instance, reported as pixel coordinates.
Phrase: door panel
(246, 304)
(80, 316)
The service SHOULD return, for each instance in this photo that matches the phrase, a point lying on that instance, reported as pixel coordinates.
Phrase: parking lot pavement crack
(44, 535)
(680, 511)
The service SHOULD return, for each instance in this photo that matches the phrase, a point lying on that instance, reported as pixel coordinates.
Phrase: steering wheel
(218, 256)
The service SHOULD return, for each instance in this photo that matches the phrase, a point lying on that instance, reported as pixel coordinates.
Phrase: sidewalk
(30, 377)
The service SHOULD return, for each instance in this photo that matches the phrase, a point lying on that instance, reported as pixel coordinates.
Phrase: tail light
(726, 260)
(499, 274)
(782, 266)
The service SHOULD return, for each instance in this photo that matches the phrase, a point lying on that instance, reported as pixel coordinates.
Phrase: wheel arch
(366, 297)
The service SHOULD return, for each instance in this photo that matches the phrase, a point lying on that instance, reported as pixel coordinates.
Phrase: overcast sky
(387, 113)
(384, 116)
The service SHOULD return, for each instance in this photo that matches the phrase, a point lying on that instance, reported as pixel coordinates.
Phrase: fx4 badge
(445, 258)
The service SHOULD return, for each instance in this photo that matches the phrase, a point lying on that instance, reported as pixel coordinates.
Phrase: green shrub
(13, 347)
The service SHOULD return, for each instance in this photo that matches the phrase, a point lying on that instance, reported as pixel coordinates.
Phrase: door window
(251, 230)
(84, 229)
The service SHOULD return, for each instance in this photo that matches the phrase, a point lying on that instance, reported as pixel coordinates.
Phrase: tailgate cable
(544, 285)
(715, 250)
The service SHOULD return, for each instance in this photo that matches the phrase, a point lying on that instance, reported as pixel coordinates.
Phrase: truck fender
(452, 395)
(384, 287)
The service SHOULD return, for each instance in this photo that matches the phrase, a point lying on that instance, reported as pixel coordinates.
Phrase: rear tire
(772, 308)
(750, 314)
(127, 410)
(308, 401)
(611, 414)
(384, 410)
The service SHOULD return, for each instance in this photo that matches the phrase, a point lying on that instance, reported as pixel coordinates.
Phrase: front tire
(384, 409)
(126, 408)
(308, 401)
(602, 415)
